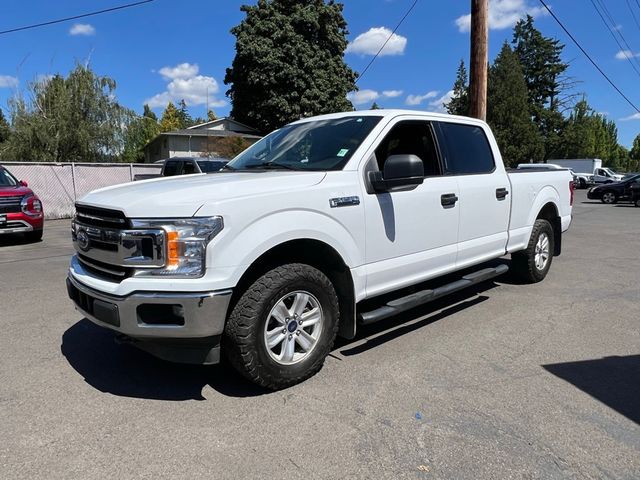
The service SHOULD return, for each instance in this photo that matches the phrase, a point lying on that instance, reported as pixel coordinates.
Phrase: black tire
(243, 340)
(637, 202)
(609, 197)
(34, 236)
(582, 184)
(524, 262)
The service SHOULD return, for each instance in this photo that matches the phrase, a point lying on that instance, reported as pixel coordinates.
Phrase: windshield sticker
(343, 152)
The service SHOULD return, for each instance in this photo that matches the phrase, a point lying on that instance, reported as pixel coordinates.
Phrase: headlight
(186, 245)
(31, 205)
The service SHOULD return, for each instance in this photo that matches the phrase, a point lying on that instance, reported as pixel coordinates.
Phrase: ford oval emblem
(83, 240)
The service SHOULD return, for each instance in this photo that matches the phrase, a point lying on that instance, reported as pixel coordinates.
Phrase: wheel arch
(317, 254)
(549, 212)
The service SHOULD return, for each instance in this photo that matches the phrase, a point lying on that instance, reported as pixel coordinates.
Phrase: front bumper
(591, 195)
(21, 223)
(163, 323)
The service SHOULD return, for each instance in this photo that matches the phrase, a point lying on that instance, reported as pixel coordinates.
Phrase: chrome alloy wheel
(542, 253)
(608, 197)
(293, 327)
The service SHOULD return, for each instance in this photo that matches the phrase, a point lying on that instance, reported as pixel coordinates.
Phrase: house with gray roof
(202, 140)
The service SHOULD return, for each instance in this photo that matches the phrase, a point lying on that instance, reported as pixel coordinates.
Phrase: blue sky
(167, 50)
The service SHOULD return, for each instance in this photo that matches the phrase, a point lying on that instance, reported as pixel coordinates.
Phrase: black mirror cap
(403, 166)
(401, 172)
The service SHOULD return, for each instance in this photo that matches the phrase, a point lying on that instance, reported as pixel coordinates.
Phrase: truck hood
(14, 191)
(182, 196)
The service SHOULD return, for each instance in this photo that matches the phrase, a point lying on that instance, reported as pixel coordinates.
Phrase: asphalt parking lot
(505, 381)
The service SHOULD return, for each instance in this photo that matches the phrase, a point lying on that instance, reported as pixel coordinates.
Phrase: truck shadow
(123, 370)
(614, 381)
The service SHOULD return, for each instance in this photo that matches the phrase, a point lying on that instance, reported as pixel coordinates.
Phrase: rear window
(467, 150)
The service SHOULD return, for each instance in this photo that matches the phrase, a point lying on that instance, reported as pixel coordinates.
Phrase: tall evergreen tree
(508, 112)
(170, 120)
(148, 113)
(184, 116)
(459, 104)
(140, 131)
(375, 106)
(211, 116)
(289, 62)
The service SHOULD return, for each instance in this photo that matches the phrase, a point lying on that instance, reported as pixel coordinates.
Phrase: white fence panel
(59, 185)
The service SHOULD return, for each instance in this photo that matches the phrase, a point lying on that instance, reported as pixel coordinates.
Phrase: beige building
(214, 138)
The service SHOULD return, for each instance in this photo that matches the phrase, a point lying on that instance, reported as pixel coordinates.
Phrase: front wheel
(532, 264)
(283, 326)
(609, 198)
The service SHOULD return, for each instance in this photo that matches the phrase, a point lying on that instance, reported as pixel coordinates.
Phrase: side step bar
(403, 304)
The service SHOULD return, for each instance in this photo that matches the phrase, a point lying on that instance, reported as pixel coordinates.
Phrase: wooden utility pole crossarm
(479, 59)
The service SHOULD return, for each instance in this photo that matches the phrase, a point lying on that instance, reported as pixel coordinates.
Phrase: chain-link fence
(59, 185)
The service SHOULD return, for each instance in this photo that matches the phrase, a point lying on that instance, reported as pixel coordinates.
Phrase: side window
(189, 168)
(601, 173)
(410, 138)
(172, 168)
(467, 149)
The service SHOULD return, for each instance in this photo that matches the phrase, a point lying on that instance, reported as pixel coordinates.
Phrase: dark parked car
(613, 192)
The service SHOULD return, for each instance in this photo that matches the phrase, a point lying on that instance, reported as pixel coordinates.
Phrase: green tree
(211, 115)
(75, 119)
(170, 120)
(5, 128)
(289, 62)
(507, 111)
(543, 70)
(634, 156)
(139, 132)
(183, 114)
(590, 135)
(375, 106)
(459, 103)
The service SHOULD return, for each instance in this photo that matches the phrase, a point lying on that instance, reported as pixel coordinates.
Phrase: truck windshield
(208, 166)
(6, 179)
(314, 145)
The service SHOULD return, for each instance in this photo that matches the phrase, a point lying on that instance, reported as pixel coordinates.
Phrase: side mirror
(23, 183)
(401, 172)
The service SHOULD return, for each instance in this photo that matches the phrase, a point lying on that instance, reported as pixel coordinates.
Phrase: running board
(403, 304)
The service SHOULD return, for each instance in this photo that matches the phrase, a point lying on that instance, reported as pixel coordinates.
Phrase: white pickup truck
(267, 260)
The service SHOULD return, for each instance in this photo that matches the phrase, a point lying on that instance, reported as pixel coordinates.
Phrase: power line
(613, 32)
(387, 40)
(60, 20)
(635, 19)
(588, 56)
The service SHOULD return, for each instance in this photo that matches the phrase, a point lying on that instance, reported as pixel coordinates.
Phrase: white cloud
(418, 99)
(82, 29)
(7, 81)
(503, 14)
(624, 54)
(439, 104)
(635, 116)
(369, 42)
(363, 96)
(392, 93)
(185, 84)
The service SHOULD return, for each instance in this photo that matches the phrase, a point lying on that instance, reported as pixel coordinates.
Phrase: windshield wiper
(272, 166)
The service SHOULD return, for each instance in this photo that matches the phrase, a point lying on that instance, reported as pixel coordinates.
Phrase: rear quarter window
(466, 149)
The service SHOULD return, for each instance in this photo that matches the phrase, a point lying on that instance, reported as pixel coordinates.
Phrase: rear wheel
(609, 197)
(532, 264)
(582, 183)
(283, 326)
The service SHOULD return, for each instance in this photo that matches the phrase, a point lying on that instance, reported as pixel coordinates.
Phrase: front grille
(10, 204)
(105, 270)
(101, 217)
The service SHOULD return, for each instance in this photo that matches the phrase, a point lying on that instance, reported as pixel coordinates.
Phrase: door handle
(448, 199)
(501, 193)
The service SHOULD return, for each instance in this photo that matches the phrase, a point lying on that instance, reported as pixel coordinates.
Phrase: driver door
(410, 235)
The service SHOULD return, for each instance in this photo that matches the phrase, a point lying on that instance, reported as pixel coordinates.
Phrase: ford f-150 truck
(325, 224)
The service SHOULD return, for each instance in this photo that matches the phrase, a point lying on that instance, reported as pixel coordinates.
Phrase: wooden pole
(479, 59)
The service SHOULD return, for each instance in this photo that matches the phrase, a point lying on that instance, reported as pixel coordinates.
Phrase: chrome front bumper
(143, 315)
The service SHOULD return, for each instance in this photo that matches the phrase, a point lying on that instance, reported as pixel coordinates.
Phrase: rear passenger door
(484, 203)
(410, 235)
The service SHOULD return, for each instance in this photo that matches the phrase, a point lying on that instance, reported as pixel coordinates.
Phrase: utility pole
(479, 62)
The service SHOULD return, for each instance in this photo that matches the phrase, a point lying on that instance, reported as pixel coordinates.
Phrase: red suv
(20, 208)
